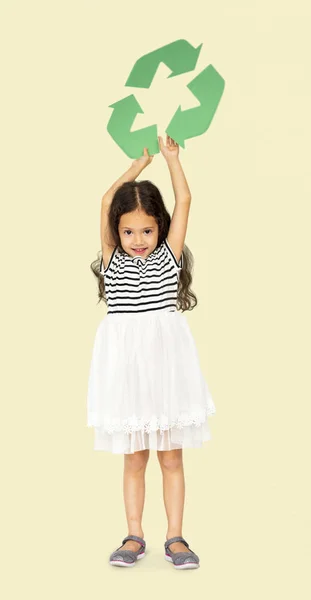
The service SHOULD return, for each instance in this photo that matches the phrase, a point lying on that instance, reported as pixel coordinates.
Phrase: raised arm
(130, 175)
(179, 222)
(106, 241)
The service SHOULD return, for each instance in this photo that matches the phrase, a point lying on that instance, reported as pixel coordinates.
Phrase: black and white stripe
(137, 284)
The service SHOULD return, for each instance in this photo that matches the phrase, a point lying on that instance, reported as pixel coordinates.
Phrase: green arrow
(119, 126)
(207, 87)
(179, 56)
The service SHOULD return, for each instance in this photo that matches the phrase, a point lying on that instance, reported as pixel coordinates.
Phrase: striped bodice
(137, 284)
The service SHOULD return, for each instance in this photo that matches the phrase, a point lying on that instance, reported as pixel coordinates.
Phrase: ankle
(139, 534)
(173, 534)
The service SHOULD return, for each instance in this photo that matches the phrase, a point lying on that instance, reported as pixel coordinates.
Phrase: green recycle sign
(207, 87)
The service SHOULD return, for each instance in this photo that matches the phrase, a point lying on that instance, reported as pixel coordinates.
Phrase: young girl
(146, 389)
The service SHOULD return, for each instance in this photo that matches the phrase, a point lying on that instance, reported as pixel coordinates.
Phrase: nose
(138, 240)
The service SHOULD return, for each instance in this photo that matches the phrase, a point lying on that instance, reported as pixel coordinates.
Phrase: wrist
(134, 171)
(172, 161)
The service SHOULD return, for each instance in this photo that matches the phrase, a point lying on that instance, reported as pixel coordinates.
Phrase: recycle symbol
(207, 87)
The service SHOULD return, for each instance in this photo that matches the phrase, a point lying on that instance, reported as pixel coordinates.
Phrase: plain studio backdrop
(248, 488)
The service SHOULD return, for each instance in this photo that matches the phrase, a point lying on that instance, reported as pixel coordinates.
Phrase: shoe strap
(177, 538)
(135, 538)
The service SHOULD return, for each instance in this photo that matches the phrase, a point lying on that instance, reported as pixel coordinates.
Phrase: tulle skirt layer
(146, 389)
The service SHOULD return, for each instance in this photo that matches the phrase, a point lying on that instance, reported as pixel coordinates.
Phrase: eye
(128, 230)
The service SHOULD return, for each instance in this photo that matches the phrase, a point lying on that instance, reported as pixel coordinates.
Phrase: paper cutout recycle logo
(207, 87)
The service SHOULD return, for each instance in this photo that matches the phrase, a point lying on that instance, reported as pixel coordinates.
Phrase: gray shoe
(181, 560)
(128, 558)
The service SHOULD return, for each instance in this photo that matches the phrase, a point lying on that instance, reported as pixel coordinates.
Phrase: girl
(146, 389)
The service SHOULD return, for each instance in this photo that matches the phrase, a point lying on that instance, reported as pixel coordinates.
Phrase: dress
(146, 389)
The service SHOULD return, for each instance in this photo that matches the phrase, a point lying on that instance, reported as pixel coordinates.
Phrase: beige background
(248, 489)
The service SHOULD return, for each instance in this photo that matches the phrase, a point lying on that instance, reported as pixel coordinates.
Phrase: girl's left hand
(171, 150)
(143, 160)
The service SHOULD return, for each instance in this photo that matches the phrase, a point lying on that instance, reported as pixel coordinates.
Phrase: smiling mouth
(140, 250)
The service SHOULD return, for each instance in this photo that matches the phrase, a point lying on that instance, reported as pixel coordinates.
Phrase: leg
(134, 494)
(171, 464)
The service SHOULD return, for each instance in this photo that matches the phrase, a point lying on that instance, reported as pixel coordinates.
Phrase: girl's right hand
(143, 161)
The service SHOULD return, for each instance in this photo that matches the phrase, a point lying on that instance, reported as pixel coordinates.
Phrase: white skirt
(146, 389)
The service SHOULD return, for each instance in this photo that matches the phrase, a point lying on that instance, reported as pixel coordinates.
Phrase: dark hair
(144, 195)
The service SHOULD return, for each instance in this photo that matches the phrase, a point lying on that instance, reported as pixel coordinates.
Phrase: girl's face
(138, 230)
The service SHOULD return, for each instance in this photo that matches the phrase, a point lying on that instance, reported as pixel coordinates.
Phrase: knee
(137, 461)
(170, 460)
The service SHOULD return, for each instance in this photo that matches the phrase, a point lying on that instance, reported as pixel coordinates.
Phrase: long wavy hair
(144, 195)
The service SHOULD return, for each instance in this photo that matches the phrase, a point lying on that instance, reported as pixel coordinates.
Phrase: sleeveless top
(137, 284)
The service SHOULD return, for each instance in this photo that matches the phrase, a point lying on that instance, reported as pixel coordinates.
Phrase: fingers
(170, 141)
(146, 153)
